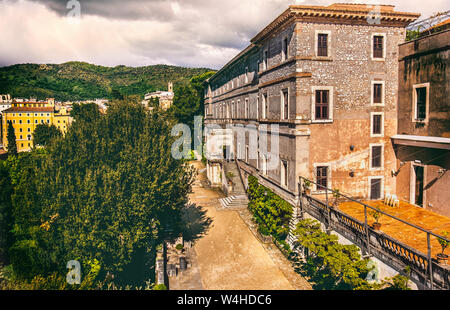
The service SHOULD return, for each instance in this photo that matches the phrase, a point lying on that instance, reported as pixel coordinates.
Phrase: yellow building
(25, 116)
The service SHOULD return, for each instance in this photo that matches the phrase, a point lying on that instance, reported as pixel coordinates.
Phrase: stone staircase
(238, 198)
(234, 202)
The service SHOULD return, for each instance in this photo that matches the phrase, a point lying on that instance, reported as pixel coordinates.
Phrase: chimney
(170, 87)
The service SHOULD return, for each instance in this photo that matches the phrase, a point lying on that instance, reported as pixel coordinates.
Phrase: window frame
(265, 59)
(383, 93)
(330, 104)
(285, 48)
(265, 104)
(283, 103)
(370, 178)
(247, 108)
(316, 47)
(376, 135)
(317, 165)
(284, 173)
(372, 46)
(371, 145)
(427, 103)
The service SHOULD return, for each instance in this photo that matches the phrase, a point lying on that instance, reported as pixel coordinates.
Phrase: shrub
(160, 287)
(329, 264)
(179, 247)
(269, 210)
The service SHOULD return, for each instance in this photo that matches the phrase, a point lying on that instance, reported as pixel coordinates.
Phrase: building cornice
(338, 13)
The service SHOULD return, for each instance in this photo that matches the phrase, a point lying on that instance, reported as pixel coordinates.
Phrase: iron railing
(372, 240)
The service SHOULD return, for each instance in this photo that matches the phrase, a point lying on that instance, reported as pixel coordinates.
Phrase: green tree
(329, 264)
(189, 100)
(44, 134)
(109, 190)
(88, 112)
(5, 212)
(11, 136)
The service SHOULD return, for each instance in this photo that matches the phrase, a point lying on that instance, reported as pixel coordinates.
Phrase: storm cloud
(193, 33)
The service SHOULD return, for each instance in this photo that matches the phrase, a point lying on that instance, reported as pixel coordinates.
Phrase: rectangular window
(238, 109)
(376, 159)
(246, 109)
(375, 188)
(421, 103)
(246, 74)
(322, 178)
(378, 47)
(322, 104)
(265, 108)
(285, 104)
(284, 173)
(377, 124)
(322, 45)
(265, 60)
(284, 55)
(377, 93)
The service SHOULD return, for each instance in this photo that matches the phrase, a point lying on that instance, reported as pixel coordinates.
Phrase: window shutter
(375, 189)
(322, 42)
(421, 102)
(376, 156)
(378, 47)
(376, 130)
(322, 104)
(377, 90)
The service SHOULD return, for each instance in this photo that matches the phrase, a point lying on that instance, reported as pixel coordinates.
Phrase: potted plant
(336, 197)
(376, 215)
(307, 187)
(442, 257)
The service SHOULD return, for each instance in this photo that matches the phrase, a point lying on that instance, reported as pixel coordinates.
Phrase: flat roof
(423, 141)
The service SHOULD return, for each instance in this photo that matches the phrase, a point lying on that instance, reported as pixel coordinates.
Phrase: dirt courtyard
(229, 256)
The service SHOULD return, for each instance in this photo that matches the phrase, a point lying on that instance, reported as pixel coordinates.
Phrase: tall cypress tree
(11, 136)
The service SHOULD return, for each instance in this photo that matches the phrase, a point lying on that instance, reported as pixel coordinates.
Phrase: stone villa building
(328, 77)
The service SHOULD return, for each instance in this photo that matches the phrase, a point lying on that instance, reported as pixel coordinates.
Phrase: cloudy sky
(193, 33)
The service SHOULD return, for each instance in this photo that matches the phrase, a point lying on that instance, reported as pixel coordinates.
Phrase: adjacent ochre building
(328, 77)
(422, 144)
(26, 115)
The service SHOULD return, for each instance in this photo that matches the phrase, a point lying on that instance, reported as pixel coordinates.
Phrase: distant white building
(165, 97)
(5, 102)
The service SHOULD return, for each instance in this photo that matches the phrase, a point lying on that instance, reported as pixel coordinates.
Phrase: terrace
(408, 236)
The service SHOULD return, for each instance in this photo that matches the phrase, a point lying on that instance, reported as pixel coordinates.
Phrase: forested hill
(83, 81)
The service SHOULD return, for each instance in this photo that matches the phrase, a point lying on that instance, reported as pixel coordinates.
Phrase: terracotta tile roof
(30, 109)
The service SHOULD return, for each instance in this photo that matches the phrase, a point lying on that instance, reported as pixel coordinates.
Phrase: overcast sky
(193, 33)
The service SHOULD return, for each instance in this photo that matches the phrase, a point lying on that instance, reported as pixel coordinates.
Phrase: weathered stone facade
(264, 75)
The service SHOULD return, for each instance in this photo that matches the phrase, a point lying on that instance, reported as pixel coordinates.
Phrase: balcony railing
(372, 242)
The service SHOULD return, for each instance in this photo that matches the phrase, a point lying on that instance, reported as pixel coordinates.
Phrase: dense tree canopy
(83, 81)
(44, 134)
(106, 194)
(189, 100)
